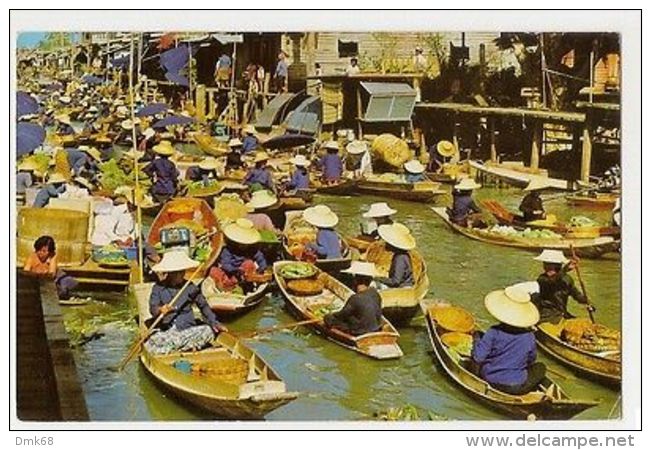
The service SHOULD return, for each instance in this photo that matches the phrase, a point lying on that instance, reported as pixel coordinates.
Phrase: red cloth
(227, 283)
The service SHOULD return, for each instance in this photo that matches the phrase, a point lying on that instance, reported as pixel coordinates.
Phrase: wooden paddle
(253, 333)
(578, 274)
(135, 349)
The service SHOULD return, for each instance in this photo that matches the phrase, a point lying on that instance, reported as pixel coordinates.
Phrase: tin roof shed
(388, 102)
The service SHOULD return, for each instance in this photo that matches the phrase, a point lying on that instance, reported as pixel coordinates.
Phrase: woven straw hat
(379, 210)
(65, 99)
(536, 184)
(262, 199)
(63, 118)
(260, 156)
(149, 133)
(467, 184)
(366, 269)
(398, 236)
(134, 154)
(331, 145)
(128, 123)
(175, 261)
(235, 142)
(446, 149)
(414, 166)
(208, 164)
(83, 182)
(357, 147)
(27, 166)
(92, 152)
(552, 256)
(512, 306)
(242, 231)
(93, 109)
(300, 160)
(249, 129)
(57, 178)
(165, 148)
(320, 216)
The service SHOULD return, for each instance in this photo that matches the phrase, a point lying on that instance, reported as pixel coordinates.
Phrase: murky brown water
(338, 384)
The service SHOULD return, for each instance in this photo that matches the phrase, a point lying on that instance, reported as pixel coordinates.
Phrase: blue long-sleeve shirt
(78, 160)
(260, 176)
(249, 143)
(182, 317)
(300, 179)
(230, 262)
(23, 181)
(166, 175)
(65, 130)
(401, 273)
(328, 245)
(332, 167)
(504, 354)
(46, 193)
(462, 205)
(281, 69)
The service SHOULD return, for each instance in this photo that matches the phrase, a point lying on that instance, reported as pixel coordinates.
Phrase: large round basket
(453, 318)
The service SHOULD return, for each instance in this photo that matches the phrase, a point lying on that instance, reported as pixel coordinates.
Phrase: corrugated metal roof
(387, 88)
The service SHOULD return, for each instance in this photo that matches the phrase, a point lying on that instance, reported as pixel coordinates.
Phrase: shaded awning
(388, 102)
(306, 118)
(173, 120)
(29, 136)
(288, 140)
(152, 109)
(25, 104)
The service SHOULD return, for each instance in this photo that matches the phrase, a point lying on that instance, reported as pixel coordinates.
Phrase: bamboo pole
(136, 191)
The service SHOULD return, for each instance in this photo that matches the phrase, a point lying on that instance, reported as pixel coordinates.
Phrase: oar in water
(578, 275)
(253, 333)
(135, 349)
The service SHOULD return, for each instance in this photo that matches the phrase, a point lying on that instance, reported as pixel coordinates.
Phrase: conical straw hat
(398, 236)
(174, 261)
(209, 163)
(331, 145)
(414, 166)
(467, 184)
(357, 147)
(379, 210)
(262, 199)
(552, 256)
(93, 152)
(320, 216)
(300, 160)
(57, 178)
(165, 148)
(512, 306)
(235, 142)
(446, 149)
(242, 231)
(261, 156)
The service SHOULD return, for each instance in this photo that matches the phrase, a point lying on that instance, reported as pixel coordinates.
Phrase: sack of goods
(391, 149)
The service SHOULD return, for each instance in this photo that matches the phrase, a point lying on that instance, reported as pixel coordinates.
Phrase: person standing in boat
(555, 287)
(259, 177)
(240, 258)
(328, 244)
(43, 262)
(399, 242)
(178, 331)
(359, 159)
(362, 312)
(301, 176)
(250, 142)
(55, 186)
(415, 171)
(377, 215)
(463, 206)
(505, 354)
(163, 172)
(331, 164)
(532, 205)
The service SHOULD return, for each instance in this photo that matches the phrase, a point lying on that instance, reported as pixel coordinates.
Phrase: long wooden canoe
(228, 305)
(424, 191)
(518, 178)
(201, 213)
(602, 367)
(228, 379)
(606, 201)
(399, 305)
(346, 186)
(210, 145)
(551, 404)
(587, 248)
(382, 344)
(327, 265)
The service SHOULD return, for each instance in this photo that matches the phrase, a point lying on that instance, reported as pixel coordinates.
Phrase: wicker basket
(305, 287)
(453, 318)
(456, 339)
(391, 149)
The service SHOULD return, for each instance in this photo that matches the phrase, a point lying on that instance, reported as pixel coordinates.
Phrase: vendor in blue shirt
(463, 206)
(415, 171)
(178, 330)
(331, 163)
(205, 172)
(399, 242)
(63, 125)
(84, 161)
(250, 141)
(259, 177)
(506, 353)
(301, 176)
(55, 186)
(328, 244)
(163, 172)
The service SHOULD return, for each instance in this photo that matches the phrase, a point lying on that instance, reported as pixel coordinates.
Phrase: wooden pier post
(200, 102)
(536, 142)
(586, 152)
(493, 144)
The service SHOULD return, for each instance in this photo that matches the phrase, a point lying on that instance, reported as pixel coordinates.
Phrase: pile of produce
(198, 188)
(113, 176)
(110, 255)
(386, 177)
(322, 309)
(391, 149)
(298, 270)
(528, 233)
(582, 221)
(195, 227)
(591, 337)
(299, 233)
(40, 160)
(459, 344)
(305, 286)
(229, 208)
(202, 252)
(268, 237)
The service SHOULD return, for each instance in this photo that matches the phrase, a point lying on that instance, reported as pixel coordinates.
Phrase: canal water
(337, 384)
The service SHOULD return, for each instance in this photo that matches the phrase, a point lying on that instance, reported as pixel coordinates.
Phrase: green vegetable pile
(268, 237)
(40, 160)
(528, 233)
(198, 188)
(113, 176)
(298, 270)
(202, 252)
(110, 255)
(582, 221)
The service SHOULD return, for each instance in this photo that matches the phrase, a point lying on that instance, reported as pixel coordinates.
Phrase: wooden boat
(327, 265)
(598, 200)
(228, 305)
(442, 177)
(399, 305)
(518, 178)
(360, 242)
(210, 145)
(201, 213)
(379, 345)
(227, 379)
(346, 186)
(506, 217)
(553, 404)
(424, 191)
(587, 248)
(603, 367)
